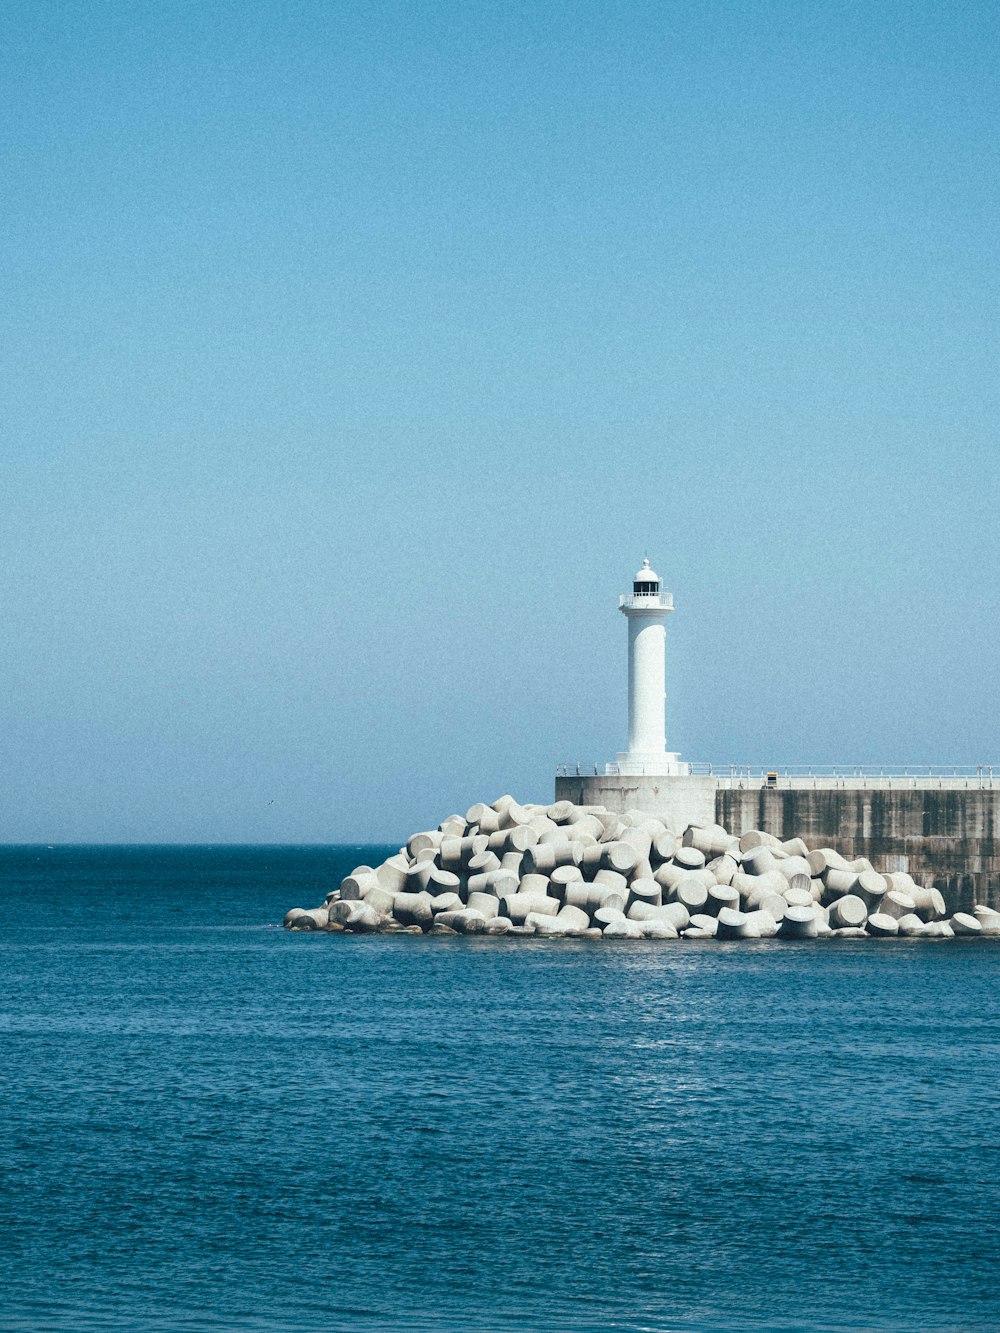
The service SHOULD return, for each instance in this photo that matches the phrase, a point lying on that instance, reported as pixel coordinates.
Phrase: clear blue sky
(352, 355)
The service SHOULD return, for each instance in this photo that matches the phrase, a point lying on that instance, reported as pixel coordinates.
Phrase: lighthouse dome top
(646, 579)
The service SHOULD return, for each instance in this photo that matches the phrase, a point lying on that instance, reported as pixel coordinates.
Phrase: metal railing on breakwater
(978, 777)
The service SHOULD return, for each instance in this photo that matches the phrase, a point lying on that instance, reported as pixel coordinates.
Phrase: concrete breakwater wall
(946, 837)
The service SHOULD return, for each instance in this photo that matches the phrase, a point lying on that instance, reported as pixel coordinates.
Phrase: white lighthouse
(646, 608)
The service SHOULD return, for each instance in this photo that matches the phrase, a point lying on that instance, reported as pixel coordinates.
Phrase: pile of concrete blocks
(566, 870)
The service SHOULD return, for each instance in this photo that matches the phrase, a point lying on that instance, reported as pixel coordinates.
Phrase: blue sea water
(210, 1123)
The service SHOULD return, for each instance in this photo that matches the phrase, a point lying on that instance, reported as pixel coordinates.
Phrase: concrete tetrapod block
(837, 882)
(590, 897)
(644, 891)
(755, 838)
(498, 882)
(588, 858)
(484, 903)
(455, 853)
(823, 859)
(897, 903)
(511, 862)
(543, 858)
(795, 847)
(483, 863)
(671, 874)
(689, 858)
(663, 848)
(759, 861)
(758, 925)
(909, 925)
(657, 929)
(899, 879)
(603, 916)
(357, 884)
(963, 923)
(380, 900)
(418, 876)
(585, 826)
(871, 887)
(774, 904)
(498, 925)
(519, 905)
(547, 831)
(413, 909)
(543, 924)
(611, 825)
(522, 837)
(792, 866)
(690, 893)
(391, 874)
(619, 857)
(452, 827)
(703, 922)
(442, 881)
(988, 918)
(464, 920)
(721, 896)
(881, 925)
(711, 840)
(561, 812)
(797, 897)
(623, 930)
(293, 915)
(356, 915)
(724, 868)
(514, 816)
(749, 887)
(342, 911)
(850, 911)
(673, 913)
(731, 921)
(539, 884)
(611, 879)
(483, 817)
(938, 930)
(428, 841)
(313, 918)
(799, 923)
(445, 902)
(639, 838)
(561, 877)
(929, 903)
(753, 889)
(573, 918)
(641, 870)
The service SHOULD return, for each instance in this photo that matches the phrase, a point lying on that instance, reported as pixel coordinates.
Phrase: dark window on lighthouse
(648, 588)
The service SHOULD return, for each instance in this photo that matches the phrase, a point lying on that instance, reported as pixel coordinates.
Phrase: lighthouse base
(637, 765)
(680, 799)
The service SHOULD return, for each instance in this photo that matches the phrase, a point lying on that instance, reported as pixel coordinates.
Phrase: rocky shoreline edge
(583, 872)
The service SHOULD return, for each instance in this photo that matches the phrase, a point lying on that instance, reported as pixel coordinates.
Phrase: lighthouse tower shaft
(646, 609)
(647, 684)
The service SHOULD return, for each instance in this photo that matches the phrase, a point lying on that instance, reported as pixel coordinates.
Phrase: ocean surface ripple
(210, 1123)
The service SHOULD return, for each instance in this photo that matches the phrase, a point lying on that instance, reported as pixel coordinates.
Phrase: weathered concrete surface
(678, 800)
(946, 836)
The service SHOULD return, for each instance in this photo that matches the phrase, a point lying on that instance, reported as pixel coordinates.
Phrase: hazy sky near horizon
(351, 356)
